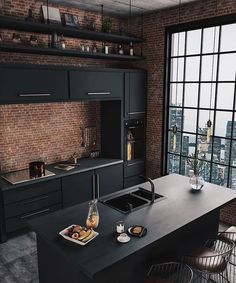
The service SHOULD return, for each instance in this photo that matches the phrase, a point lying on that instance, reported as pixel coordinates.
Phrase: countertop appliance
(22, 176)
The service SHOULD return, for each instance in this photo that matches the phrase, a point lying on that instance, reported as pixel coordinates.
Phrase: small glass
(120, 227)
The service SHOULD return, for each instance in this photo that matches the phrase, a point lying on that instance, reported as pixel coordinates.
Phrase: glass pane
(175, 118)
(209, 62)
(219, 175)
(190, 119)
(204, 116)
(234, 127)
(192, 69)
(176, 94)
(225, 96)
(174, 72)
(178, 142)
(173, 163)
(227, 151)
(219, 150)
(174, 44)
(223, 124)
(193, 42)
(204, 170)
(227, 67)
(232, 178)
(233, 153)
(227, 42)
(189, 144)
(206, 100)
(191, 95)
(184, 166)
(204, 149)
(208, 40)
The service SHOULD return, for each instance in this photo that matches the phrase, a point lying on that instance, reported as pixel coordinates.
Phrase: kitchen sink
(132, 200)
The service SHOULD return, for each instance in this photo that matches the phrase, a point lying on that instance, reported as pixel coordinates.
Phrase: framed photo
(70, 20)
(52, 14)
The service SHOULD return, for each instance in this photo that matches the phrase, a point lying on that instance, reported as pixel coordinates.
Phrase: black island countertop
(180, 208)
(85, 164)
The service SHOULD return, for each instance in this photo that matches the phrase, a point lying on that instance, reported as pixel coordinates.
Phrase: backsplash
(47, 131)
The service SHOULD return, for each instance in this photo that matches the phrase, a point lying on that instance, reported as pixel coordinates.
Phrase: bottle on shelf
(82, 47)
(62, 42)
(106, 48)
(131, 49)
(120, 50)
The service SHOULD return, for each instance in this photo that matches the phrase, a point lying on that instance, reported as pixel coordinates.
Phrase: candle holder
(120, 227)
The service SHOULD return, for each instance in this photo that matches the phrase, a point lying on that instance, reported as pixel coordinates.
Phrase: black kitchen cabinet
(84, 186)
(110, 179)
(135, 95)
(77, 188)
(96, 85)
(25, 85)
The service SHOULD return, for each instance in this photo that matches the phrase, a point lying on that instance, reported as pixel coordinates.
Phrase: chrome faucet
(152, 186)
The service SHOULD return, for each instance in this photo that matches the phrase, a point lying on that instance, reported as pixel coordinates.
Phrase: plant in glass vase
(196, 165)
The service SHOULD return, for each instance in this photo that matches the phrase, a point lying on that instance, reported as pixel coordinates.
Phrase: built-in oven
(134, 150)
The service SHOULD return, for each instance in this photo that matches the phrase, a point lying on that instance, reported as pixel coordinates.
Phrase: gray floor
(18, 260)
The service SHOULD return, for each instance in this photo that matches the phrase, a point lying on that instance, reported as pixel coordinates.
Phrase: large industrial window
(195, 57)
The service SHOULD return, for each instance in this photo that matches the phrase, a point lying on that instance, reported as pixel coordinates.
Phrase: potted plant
(196, 165)
(107, 25)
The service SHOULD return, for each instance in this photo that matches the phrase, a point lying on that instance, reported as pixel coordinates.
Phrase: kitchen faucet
(152, 186)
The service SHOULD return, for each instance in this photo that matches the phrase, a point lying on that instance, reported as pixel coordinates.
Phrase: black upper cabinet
(110, 179)
(96, 85)
(135, 94)
(77, 188)
(24, 85)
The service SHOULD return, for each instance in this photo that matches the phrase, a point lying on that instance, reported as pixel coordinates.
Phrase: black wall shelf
(60, 52)
(14, 24)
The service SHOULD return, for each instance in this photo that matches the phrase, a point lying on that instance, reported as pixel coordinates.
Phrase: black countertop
(181, 207)
(85, 164)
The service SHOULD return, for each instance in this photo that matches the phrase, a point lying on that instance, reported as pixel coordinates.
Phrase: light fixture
(175, 128)
(209, 122)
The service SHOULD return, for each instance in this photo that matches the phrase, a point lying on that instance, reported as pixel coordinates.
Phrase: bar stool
(211, 260)
(169, 272)
(230, 235)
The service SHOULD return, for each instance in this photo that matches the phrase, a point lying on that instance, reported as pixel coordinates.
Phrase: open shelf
(34, 27)
(60, 52)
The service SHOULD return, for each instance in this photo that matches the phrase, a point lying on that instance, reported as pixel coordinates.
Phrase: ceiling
(121, 7)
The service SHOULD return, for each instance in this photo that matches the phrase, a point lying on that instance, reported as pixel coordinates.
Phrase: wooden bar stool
(169, 272)
(211, 260)
(230, 235)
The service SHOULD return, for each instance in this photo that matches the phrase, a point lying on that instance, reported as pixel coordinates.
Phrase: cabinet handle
(34, 94)
(98, 93)
(35, 213)
(98, 186)
(94, 186)
(134, 113)
(32, 200)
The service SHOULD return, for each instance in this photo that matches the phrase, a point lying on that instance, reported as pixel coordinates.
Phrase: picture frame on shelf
(70, 20)
(51, 15)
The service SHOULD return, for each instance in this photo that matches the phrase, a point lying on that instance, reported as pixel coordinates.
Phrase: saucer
(123, 238)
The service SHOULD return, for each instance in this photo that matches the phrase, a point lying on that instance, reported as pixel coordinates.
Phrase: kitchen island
(176, 225)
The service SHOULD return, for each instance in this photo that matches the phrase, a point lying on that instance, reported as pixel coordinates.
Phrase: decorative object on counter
(95, 154)
(78, 234)
(123, 238)
(196, 165)
(16, 38)
(62, 42)
(54, 40)
(51, 15)
(70, 20)
(131, 49)
(73, 160)
(95, 48)
(82, 47)
(89, 137)
(120, 227)
(120, 50)
(106, 48)
(37, 169)
(30, 17)
(107, 25)
(137, 231)
(33, 40)
(93, 215)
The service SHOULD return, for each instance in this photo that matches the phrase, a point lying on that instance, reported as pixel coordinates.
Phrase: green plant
(107, 25)
(194, 163)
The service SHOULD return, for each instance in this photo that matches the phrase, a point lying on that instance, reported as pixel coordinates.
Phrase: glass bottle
(131, 49)
(93, 215)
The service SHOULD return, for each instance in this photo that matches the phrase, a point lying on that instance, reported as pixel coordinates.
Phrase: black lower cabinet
(110, 179)
(77, 188)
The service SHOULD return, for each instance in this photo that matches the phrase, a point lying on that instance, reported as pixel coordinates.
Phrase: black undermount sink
(132, 200)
